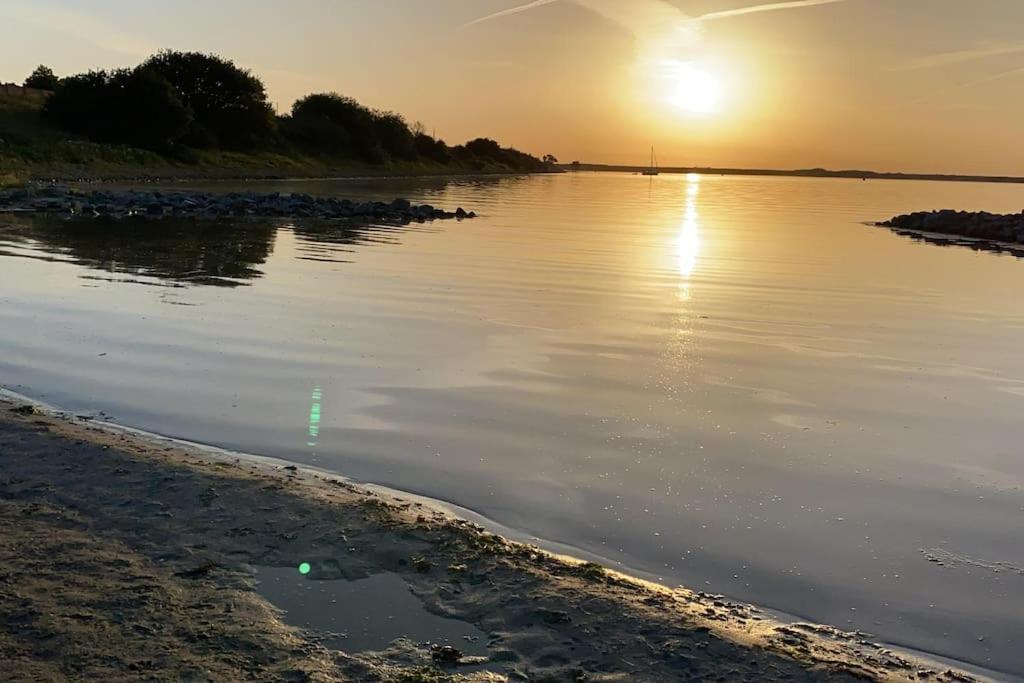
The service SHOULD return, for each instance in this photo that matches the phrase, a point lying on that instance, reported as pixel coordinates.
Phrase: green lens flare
(305, 568)
(314, 415)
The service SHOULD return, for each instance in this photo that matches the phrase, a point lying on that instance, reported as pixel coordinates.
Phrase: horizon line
(820, 172)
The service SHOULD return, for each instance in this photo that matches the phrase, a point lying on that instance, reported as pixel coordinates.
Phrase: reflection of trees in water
(328, 240)
(196, 252)
(438, 190)
(229, 253)
(184, 251)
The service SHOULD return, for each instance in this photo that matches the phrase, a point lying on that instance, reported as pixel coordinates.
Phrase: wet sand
(125, 558)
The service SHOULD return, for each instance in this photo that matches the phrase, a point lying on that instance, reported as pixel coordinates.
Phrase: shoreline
(236, 176)
(798, 173)
(546, 615)
(74, 203)
(185, 174)
(142, 176)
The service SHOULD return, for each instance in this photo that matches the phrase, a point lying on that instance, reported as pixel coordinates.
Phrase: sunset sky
(920, 85)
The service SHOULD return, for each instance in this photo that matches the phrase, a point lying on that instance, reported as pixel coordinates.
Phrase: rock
(200, 571)
(24, 410)
(979, 225)
(445, 654)
(554, 616)
(134, 203)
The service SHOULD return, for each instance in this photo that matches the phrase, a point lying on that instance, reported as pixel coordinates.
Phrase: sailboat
(653, 170)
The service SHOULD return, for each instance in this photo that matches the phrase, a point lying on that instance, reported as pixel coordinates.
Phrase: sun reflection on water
(687, 246)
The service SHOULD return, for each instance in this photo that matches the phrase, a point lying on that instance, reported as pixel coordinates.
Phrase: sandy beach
(126, 558)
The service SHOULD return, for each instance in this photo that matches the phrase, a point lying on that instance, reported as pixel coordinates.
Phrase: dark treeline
(176, 103)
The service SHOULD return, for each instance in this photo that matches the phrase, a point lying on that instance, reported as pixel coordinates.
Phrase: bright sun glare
(692, 88)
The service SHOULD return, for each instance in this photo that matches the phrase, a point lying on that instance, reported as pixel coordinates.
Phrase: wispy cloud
(607, 8)
(957, 87)
(76, 25)
(995, 77)
(660, 27)
(957, 56)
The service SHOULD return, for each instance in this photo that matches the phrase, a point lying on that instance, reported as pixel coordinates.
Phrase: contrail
(963, 86)
(711, 16)
(994, 77)
(508, 12)
(767, 7)
(958, 56)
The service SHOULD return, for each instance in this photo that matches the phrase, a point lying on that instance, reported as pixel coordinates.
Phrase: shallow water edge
(748, 625)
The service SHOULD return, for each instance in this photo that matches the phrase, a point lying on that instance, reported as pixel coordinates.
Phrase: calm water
(730, 383)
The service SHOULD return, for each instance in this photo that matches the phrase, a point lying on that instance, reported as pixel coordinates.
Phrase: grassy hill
(32, 149)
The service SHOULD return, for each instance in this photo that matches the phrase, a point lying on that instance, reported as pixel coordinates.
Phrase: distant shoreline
(799, 173)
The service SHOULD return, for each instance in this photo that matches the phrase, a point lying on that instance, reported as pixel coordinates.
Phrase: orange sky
(922, 85)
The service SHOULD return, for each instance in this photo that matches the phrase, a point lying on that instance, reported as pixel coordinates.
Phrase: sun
(692, 88)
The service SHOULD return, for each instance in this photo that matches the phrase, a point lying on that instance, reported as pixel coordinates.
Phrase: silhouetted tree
(229, 104)
(336, 124)
(42, 78)
(484, 148)
(549, 159)
(136, 107)
(484, 152)
(394, 135)
(176, 101)
(432, 149)
(318, 134)
(79, 104)
(145, 109)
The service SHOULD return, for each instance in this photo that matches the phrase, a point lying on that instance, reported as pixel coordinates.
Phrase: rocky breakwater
(977, 225)
(117, 204)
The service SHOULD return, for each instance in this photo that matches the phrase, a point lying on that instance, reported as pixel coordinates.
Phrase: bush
(136, 107)
(318, 134)
(42, 78)
(338, 125)
(229, 105)
(78, 105)
(393, 134)
(484, 153)
(146, 112)
(432, 149)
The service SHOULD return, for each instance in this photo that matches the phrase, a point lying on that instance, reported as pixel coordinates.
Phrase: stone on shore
(116, 204)
(974, 224)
